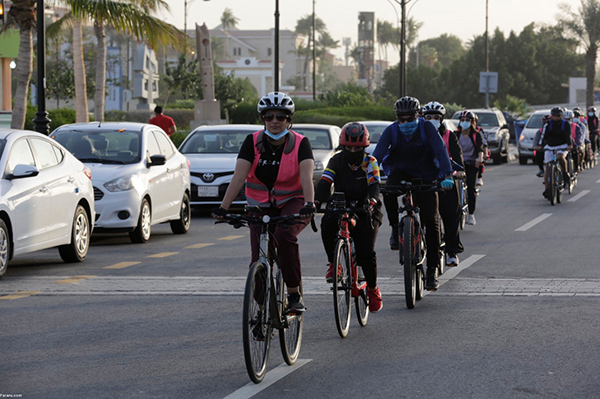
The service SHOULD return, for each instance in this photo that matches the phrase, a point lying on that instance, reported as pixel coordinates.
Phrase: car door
(28, 200)
(175, 169)
(60, 179)
(158, 186)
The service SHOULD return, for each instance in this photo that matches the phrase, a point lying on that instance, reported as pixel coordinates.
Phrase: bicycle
(571, 172)
(413, 248)
(347, 285)
(265, 301)
(463, 201)
(555, 180)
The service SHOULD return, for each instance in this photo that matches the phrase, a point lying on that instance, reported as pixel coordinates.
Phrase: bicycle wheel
(442, 262)
(342, 288)
(290, 336)
(553, 187)
(560, 185)
(362, 306)
(257, 328)
(410, 269)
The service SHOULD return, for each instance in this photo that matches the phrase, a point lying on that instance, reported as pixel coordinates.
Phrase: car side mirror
(157, 160)
(22, 171)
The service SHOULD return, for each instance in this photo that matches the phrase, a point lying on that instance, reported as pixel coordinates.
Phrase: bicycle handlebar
(242, 220)
(405, 187)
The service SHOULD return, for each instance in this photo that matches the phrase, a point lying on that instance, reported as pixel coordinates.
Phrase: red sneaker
(329, 275)
(375, 302)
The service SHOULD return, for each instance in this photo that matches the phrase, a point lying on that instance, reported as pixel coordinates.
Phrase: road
(517, 319)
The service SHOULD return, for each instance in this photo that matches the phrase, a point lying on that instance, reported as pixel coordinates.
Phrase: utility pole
(487, 53)
(41, 121)
(276, 52)
(314, 54)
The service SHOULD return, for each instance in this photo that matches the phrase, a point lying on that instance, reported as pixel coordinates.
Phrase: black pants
(428, 206)
(450, 213)
(471, 172)
(364, 236)
(539, 159)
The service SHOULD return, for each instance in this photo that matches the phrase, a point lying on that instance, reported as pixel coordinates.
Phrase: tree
(185, 77)
(447, 47)
(585, 26)
(22, 14)
(304, 26)
(228, 20)
(59, 77)
(386, 35)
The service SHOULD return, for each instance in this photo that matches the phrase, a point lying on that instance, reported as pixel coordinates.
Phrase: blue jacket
(422, 155)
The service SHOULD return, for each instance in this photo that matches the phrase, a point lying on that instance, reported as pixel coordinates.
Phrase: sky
(463, 18)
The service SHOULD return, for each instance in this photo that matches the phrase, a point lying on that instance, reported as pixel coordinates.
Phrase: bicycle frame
(412, 211)
(344, 234)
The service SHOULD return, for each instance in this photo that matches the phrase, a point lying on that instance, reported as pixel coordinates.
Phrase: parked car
(46, 200)
(212, 152)
(450, 125)
(324, 139)
(496, 131)
(525, 143)
(139, 177)
(375, 129)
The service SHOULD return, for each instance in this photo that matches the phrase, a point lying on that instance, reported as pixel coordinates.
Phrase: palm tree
(228, 20)
(304, 26)
(386, 35)
(132, 18)
(22, 14)
(585, 26)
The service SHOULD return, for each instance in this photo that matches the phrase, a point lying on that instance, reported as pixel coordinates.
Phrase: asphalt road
(517, 319)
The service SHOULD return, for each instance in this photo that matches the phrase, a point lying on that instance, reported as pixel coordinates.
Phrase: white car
(324, 139)
(46, 199)
(525, 143)
(139, 177)
(375, 129)
(213, 151)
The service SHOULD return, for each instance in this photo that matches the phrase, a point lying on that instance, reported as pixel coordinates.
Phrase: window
(166, 147)
(20, 154)
(44, 153)
(152, 146)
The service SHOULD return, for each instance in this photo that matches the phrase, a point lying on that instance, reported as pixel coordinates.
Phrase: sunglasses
(407, 119)
(280, 117)
(436, 117)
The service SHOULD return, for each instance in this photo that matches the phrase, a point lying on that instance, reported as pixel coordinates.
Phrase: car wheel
(522, 160)
(77, 250)
(142, 232)
(4, 248)
(182, 225)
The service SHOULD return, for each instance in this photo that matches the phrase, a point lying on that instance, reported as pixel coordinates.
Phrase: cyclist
(356, 174)
(556, 136)
(538, 153)
(577, 137)
(594, 128)
(449, 205)
(471, 142)
(277, 166)
(412, 148)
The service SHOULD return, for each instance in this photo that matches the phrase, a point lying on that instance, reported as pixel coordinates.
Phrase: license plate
(208, 191)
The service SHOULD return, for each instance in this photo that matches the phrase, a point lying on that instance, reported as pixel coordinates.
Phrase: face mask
(590, 113)
(465, 125)
(353, 158)
(276, 136)
(436, 123)
(409, 128)
(576, 120)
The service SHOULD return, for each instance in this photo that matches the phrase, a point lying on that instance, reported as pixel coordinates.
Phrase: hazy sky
(463, 18)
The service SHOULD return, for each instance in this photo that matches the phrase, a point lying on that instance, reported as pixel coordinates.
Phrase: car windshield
(319, 138)
(535, 121)
(487, 119)
(375, 131)
(111, 147)
(214, 142)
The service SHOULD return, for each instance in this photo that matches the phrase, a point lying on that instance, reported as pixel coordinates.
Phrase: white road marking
(581, 194)
(451, 272)
(535, 221)
(251, 389)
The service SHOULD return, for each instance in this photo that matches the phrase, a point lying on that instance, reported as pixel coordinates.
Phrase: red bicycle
(348, 284)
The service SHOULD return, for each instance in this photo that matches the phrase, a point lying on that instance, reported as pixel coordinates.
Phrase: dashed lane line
(578, 196)
(163, 255)
(122, 265)
(228, 238)
(20, 294)
(198, 246)
(535, 221)
(72, 280)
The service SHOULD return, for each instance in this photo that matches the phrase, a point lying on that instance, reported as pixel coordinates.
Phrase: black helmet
(407, 106)
(592, 109)
(556, 111)
(577, 112)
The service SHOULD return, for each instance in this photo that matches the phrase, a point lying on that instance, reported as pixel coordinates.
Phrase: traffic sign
(488, 82)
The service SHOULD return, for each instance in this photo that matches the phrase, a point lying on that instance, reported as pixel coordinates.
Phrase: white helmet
(276, 100)
(568, 114)
(433, 107)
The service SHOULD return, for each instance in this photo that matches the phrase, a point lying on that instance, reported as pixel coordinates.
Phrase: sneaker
(394, 243)
(375, 302)
(471, 219)
(295, 304)
(329, 275)
(540, 173)
(431, 282)
(546, 194)
(452, 260)
(479, 182)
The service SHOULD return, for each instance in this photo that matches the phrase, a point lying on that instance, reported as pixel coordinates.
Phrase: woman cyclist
(449, 200)
(471, 142)
(277, 166)
(356, 174)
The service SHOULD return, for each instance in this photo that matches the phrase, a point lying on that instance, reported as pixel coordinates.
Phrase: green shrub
(178, 137)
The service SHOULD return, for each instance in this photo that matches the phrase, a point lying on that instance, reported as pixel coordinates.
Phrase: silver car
(525, 143)
(46, 200)
(324, 139)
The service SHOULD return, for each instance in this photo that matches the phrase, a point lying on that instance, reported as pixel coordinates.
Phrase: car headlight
(123, 183)
(491, 136)
(319, 165)
(522, 137)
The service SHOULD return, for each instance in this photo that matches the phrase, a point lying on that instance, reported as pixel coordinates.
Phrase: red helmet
(355, 134)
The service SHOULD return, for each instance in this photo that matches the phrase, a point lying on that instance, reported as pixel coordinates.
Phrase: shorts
(548, 151)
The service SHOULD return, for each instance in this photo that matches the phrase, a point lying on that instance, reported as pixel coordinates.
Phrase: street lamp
(403, 84)
(276, 52)
(314, 54)
(41, 121)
